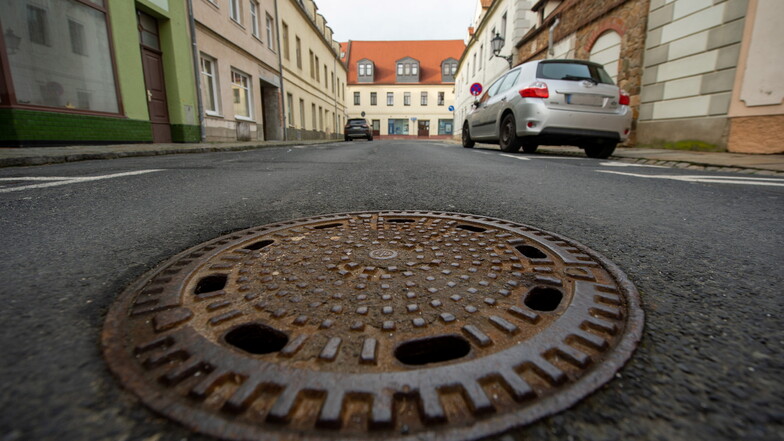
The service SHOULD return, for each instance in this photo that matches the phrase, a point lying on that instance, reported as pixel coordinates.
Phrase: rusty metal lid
(376, 325)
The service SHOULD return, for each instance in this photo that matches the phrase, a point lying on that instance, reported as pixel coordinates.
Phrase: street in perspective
(279, 220)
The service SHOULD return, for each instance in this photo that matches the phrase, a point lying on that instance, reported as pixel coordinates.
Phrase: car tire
(529, 147)
(345, 138)
(369, 138)
(508, 139)
(600, 150)
(466, 138)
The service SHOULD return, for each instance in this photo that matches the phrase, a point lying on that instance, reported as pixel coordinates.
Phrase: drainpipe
(550, 48)
(197, 71)
(280, 68)
(335, 93)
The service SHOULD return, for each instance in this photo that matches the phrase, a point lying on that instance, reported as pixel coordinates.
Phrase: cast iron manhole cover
(378, 325)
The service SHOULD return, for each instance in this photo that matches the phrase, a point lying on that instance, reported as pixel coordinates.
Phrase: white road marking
(522, 158)
(64, 180)
(769, 182)
(626, 164)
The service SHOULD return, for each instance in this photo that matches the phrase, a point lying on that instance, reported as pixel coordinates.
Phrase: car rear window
(571, 71)
(356, 122)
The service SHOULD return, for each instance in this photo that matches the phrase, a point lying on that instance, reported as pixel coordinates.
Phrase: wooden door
(154, 83)
(424, 128)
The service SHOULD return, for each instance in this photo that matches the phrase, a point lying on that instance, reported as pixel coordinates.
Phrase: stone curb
(45, 159)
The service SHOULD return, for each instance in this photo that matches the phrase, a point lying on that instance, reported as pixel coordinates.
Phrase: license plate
(584, 99)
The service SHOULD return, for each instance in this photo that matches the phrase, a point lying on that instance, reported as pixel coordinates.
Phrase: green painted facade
(19, 127)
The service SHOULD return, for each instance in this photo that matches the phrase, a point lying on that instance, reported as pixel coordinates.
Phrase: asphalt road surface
(705, 250)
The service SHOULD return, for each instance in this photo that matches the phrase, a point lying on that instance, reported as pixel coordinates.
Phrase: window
(302, 114)
(270, 34)
(481, 53)
(398, 127)
(209, 85)
(332, 77)
(321, 118)
(390, 98)
(65, 60)
(298, 48)
(313, 111)
(503, 27)
(240, 87)
(326, 78)
(406, 98)
(290, 110)
(356, 98)
(408, 69)
(76, 31)
(285, 41)
(474, 71)
(312, 69)
(445, 126)
(37, 26)
(234, 11)
(440, 98)
(414, 69)
(400, 68)
(423, 99)
(318, 76)
(373, 98)
(254, 18)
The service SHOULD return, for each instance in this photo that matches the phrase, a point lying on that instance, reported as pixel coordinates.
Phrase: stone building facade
(610, 32)
(713, 75)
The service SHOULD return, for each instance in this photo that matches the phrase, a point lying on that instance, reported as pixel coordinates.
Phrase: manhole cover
(379, 325)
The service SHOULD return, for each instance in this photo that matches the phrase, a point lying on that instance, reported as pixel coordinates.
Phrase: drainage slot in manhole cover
(380, 325)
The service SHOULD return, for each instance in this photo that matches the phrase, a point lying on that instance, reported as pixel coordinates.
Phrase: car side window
(509, 80)
(492, 90)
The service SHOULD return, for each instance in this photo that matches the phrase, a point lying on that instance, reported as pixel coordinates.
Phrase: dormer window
(407, 70)
(448, 70)
(365, 71)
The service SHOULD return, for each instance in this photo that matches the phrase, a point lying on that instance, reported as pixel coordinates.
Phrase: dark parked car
(357, 128)
(552, 102)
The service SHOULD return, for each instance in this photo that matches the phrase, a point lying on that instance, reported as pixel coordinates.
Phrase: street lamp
(497, 43)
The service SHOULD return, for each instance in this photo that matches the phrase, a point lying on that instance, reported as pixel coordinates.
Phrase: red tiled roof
(486, 3)
(384, 54)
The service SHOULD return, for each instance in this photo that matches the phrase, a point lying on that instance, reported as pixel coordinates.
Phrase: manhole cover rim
(213, 424)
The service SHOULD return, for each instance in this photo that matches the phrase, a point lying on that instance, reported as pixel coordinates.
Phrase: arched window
(606, 51)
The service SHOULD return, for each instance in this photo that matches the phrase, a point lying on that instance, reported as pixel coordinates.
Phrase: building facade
(403, 88)
(239, 69)
(96, 71)
(511, 20)
(713, 75)
(314, 78)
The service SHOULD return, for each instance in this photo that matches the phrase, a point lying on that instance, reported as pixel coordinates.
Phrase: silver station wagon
(552, 102)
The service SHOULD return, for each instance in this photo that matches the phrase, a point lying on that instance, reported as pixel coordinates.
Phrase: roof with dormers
(384, 54)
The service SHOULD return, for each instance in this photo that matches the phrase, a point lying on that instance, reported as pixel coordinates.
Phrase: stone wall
(585, 22)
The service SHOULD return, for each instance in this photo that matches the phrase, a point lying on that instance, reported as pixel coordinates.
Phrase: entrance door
(376, 127)
(424, 128)
(152, 64)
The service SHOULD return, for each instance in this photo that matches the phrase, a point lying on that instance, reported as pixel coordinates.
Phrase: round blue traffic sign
(476, 89)
(451, 108)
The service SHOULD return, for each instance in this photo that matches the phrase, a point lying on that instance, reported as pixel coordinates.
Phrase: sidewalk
(712, 161)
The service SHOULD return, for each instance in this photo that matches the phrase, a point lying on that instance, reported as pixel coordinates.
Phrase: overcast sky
(398, 19)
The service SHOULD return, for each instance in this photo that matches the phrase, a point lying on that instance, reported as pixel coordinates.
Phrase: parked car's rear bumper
(570, 125)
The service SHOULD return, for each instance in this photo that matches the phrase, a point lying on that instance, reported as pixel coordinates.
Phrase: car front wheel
(467, 141)
(600, 150)
(509, 141)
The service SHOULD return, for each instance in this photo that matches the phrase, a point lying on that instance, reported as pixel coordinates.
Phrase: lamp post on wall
(497, 43)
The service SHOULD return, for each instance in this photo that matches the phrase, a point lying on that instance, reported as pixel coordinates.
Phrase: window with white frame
(356, 98)
(373, 98)
(390, 98)
(240, 88)
(270, 34)
(406, 98)
(423, 99)
(235, 11)
(254, 18)
(209, 85)
(290, 109)
(440, 98)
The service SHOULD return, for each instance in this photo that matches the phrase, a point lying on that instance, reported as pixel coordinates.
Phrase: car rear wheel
(509, 141)
(600, 150)
(467, 141)
(370, 138)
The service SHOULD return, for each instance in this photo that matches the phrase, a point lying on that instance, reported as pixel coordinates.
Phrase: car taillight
(535, 90)
(624, 99)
